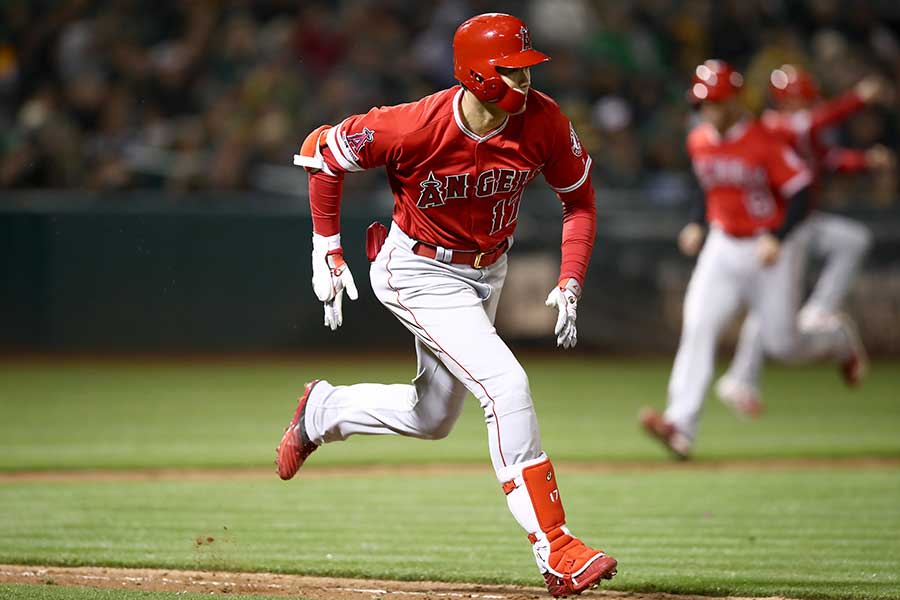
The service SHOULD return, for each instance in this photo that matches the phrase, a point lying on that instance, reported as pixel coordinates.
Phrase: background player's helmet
(486, 42)
(715, 81)
(789, 82)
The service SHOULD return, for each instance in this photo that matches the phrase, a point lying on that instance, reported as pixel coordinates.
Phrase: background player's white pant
(450, 309)
(727, 275)
(842, 243)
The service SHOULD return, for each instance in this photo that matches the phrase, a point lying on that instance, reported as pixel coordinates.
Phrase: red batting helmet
(488, 41)
(714, 81)
(789, 82)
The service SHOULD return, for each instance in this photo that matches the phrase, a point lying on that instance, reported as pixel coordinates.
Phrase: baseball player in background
(800, 119)
(756, 192)
(458, 162)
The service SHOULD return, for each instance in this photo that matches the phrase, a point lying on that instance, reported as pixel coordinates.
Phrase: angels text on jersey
(729, 171)
(437, 190)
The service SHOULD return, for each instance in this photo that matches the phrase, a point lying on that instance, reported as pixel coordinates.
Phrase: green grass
(55, 592)
(823, 533)
(816, 533)
(96, 414)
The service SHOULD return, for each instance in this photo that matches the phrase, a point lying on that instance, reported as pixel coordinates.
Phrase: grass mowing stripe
(744, 534)
(96, 414)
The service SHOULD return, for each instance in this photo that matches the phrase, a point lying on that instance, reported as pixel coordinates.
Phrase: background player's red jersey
(746, 174)
(802, 130)
(452, 187)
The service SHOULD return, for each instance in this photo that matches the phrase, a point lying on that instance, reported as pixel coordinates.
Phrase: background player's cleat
(657, 426)
(295, 445)
(855, 366)
(741, 398)
(572, 566)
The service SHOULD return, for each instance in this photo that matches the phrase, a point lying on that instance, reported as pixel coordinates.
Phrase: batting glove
(331, 276)
(565, 299)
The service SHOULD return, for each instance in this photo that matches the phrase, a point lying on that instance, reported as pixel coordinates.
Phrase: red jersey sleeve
(568, 164)
(845, 160)
(788, 174)
(568, 172)
(365, 141)
(358, 142)
(792, 129)
(836, 110)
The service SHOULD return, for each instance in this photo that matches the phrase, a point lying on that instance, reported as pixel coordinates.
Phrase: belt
(739, 233)
(475, 258)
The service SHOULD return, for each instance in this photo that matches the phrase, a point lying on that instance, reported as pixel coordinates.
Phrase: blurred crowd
(216, 94)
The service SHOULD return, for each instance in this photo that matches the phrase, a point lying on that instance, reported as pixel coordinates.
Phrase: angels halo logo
(526, 38)
(576, 143)
(356, 141)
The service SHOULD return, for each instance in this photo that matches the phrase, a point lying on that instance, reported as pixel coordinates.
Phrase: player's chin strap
(511, 100)
(533, 498)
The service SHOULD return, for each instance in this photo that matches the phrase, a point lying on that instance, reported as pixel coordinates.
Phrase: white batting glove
(331, 276)
(565, 299)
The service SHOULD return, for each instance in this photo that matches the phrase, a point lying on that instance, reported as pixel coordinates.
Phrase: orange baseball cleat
(574, 566)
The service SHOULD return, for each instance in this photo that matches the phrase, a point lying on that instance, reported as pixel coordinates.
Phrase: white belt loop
(444, 255)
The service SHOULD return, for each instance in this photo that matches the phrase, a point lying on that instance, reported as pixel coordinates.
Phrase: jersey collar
(457, 116)
(733, 133)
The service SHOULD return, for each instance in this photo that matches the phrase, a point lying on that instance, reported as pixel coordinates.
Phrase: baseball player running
(801, 120)
(757, 191)
(458, 162)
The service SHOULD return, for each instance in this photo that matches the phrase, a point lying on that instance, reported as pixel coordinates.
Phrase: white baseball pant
(450, 310)
(843, 244)
(727, 275)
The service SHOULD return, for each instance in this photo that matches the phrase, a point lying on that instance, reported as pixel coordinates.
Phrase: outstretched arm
(835, 110)
(851, 160)
(870, 90)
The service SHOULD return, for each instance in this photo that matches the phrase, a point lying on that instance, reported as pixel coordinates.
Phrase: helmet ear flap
(488, 89)
(493, 88)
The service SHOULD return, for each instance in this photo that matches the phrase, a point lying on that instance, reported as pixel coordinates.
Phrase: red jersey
(747, 174)
(460, 190)
(802, 130)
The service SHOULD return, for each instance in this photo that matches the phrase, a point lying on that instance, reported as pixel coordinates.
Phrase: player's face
(517, 79)
(724, 114)
(715, 113)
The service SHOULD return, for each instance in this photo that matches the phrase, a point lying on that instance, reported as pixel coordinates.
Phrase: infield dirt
(293, 586)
